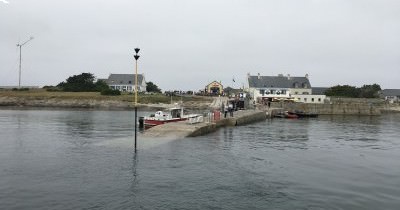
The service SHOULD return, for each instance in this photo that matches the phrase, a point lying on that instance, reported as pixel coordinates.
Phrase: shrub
(20, 89)
(50, 88)
(79, 83)
(110, 92)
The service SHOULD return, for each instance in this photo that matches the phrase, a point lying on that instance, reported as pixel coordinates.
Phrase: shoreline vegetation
(40, 98)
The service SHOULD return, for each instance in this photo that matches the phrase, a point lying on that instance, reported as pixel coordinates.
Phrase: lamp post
(136, 56)
(20, 59)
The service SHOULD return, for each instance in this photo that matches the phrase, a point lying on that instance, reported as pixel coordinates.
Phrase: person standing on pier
(230, 108)
(224, 109)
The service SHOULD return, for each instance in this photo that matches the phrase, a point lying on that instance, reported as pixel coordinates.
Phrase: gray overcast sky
(185, 44)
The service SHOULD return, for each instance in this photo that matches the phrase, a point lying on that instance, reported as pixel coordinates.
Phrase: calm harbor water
(85, 160)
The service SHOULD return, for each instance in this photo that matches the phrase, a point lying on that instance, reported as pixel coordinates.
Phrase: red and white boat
(162, 117)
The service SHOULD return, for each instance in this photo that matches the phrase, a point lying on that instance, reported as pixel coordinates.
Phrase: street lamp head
(136, 57)
(137, 50)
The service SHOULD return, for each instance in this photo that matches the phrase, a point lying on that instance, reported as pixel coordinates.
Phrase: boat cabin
(176, 112)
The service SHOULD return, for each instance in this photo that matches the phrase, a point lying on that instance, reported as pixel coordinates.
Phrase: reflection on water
(85, 160)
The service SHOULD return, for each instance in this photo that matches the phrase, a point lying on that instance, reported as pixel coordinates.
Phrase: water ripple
(85, 160)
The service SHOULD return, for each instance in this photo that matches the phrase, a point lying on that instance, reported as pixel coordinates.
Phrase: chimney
(259, 77)
(306, 76)
(288, 77)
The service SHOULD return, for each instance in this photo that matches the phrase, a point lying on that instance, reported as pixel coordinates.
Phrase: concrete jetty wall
(342, 108)
(185, 129)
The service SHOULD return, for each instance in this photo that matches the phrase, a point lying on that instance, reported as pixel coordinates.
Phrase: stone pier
(185, 129)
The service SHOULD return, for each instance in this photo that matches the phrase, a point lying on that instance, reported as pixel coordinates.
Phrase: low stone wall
(343, 108)
(390, 108)
(247, 117)
(29, 102)
(64, 103)
(203, 130)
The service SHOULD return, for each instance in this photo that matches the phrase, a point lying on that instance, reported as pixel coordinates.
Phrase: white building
(314, 99)
(126, 82)
(391, 95)
(282, 88)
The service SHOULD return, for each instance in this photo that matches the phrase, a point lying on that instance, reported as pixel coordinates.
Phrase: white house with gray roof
(391, 95)
(126, 82)
(278, 88)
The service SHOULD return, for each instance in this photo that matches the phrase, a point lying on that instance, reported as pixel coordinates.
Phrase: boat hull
(286, 115)
(304, 115)
(154, 122)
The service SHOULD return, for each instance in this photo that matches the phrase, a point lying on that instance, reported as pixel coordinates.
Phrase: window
(296, 85)
(305, 99)
(129, 82)
(261, 92)
(312, 99)
(319, 99)
(304, 85)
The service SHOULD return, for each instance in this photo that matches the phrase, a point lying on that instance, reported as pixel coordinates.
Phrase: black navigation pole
(136, 93)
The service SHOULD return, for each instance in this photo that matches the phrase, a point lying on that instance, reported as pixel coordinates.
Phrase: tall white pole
(20, 60)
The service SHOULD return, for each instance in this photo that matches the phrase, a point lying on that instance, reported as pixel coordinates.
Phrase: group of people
(228, 108)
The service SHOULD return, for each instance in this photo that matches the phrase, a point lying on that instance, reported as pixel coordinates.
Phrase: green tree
(151, 87)
(370, 91)
(343, 90)
(79, 83)
(101, 85)
(366, 91)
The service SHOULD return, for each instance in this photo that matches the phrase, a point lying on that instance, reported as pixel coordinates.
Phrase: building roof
(214, 82)
(124, 79)
(278, 82)
(391, 92)
(319, 90)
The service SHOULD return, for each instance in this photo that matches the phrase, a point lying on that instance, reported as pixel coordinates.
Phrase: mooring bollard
(217, 115)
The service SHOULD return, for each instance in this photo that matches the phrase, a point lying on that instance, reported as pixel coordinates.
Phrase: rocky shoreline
(26, 102)
(347, 108)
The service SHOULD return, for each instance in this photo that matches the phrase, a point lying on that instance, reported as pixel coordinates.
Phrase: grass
(142, 98)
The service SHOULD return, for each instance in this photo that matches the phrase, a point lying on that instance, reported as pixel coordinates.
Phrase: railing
(208, 117)
(197, 119)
